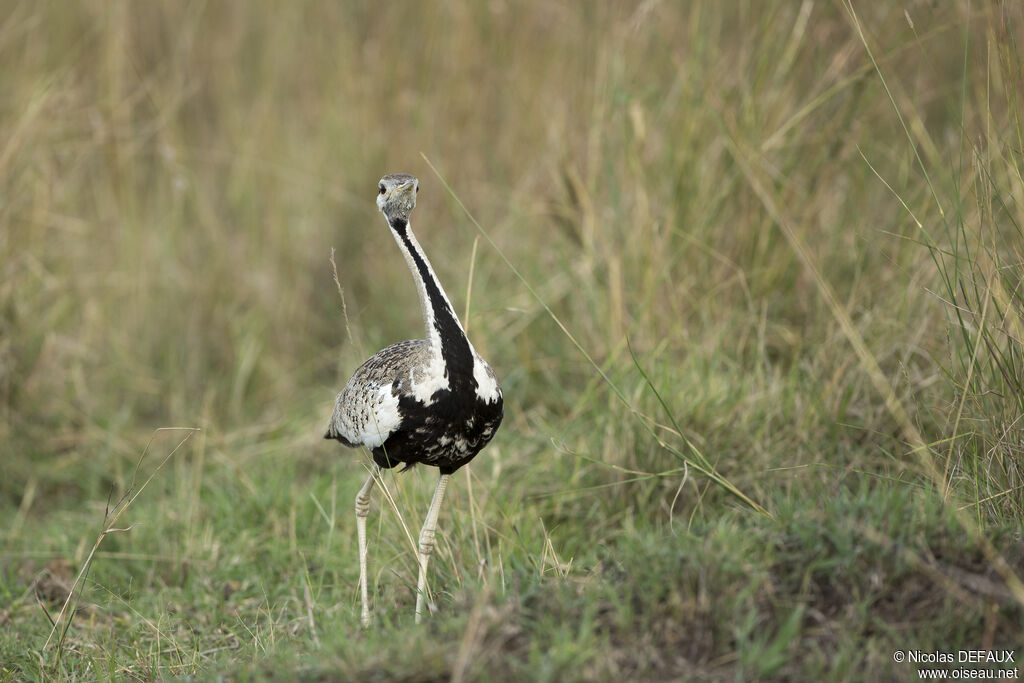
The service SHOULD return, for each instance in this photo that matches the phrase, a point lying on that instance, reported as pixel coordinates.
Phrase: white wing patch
(384, 419)
(428, 378)
(366, 417)
(486, 383)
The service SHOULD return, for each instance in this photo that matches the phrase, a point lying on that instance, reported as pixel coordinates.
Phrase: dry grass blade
(341, 296)
(110, 518)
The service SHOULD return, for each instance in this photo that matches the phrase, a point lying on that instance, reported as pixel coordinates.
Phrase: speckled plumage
(365, 410)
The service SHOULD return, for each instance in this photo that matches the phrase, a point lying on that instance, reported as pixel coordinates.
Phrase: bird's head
(396, 196)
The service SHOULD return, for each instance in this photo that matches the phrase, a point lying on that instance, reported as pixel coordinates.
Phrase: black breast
(446, 433)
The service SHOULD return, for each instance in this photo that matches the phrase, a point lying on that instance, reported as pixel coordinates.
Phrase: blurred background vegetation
(788, 233)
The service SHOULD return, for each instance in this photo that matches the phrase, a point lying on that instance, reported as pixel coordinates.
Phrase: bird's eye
(381, 188)
(417, 189)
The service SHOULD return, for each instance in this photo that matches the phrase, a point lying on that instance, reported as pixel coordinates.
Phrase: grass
(750, 274)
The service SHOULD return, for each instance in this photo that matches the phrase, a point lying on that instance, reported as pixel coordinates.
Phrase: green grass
(750, 274)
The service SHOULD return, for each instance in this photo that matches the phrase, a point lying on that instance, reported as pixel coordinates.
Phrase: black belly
(446, 433)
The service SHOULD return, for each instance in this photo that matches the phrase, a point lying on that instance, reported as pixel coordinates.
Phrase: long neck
(445, 335)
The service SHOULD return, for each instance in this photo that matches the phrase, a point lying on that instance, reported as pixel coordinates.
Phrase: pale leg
(427, 543)
(362, 510)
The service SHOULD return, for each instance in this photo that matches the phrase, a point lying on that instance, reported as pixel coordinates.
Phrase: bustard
(433, 401)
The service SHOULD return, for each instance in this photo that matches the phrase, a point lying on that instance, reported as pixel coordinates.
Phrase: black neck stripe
(455, 349)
